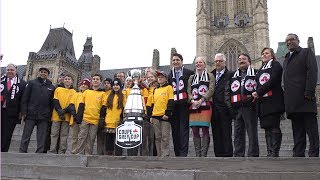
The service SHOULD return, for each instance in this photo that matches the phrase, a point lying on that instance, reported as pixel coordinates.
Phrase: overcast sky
(125, 32)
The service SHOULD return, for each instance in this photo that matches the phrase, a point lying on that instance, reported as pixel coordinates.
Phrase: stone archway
(232, 48)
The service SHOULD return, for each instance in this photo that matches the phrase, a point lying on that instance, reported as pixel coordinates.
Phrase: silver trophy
(134, 109)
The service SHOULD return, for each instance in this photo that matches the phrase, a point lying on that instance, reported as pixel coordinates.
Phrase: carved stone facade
(57, 54)
(231, 27)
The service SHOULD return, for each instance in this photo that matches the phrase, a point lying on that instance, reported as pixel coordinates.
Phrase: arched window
(220, 8)
(241, 6)
(232, 48)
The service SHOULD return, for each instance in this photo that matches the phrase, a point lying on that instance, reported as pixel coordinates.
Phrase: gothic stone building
(231, 27)
(57, 54)
(223, 26)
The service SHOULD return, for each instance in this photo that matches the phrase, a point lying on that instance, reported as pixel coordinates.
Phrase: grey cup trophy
(134, 108)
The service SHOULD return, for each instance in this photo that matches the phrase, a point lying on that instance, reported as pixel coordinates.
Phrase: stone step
(285, 151)
(49, 166)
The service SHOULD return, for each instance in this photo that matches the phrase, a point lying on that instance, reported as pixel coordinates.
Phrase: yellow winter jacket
(64, 96)
(76, 100)
(159, 99)
(93, 101)
(112, 118)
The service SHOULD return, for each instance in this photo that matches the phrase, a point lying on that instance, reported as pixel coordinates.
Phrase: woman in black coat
(270, 100)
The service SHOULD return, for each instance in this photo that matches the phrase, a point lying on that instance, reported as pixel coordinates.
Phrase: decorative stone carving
(261, 3)
(221, 22)
(242, 19)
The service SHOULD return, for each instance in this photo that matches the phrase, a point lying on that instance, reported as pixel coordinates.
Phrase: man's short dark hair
(246, 55)
(97, 75)
(179, 55)
(295, 35)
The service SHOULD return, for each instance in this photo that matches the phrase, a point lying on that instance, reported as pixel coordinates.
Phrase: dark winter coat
(37, 100)
(300, 80)
(219, 96)
(274, 103)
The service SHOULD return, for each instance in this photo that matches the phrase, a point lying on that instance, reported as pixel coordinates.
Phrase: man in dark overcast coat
(300, 80)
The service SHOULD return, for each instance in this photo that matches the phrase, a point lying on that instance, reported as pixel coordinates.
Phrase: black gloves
(61, 114)
(58, 108)
(79, 116)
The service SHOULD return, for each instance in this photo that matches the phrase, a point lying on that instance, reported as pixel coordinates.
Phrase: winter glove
(79, 116)
(57, 107)
(61, 114)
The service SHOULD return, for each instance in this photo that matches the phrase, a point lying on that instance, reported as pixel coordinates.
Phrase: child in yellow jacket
(93, 100)
(160, 107)
(60, 118)
(114, 110)
(76, 109)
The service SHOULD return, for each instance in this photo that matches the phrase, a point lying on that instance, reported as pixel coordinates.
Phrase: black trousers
(305, 123)
(221, 125)
(7, 128)
(180, 130)
(101, 139)
(110, 146)
(42, 128)
(246, 121)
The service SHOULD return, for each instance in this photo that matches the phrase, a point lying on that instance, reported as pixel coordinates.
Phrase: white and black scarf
(197, 78)
(14, 86)
(267, 65)
(250, 72)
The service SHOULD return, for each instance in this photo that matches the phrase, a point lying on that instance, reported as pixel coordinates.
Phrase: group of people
(175, 103)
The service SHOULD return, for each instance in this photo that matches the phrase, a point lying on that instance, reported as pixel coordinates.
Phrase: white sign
(129, 135)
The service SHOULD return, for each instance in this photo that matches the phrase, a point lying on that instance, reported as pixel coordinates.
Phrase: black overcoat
(219, 96)
(275, 103)
(37, 99)
(300, 80)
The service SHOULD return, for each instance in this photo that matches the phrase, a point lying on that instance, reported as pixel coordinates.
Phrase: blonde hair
(204, 59)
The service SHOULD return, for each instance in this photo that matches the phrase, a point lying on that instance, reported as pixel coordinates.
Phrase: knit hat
(108, 79)
(162, 73)
(116, 81)
(85, 81)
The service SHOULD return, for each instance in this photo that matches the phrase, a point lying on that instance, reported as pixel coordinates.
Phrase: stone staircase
(93, 167)
(285, 151)
(31, 166)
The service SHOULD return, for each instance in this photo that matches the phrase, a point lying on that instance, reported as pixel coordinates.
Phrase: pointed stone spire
(311, 44)
(173, 51)
(88, 45)
(86, 56)
(155, 59)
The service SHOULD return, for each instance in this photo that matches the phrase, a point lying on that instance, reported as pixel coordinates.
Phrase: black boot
(276, 143)
(205, 146)
(197, 146)
(269, 142)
